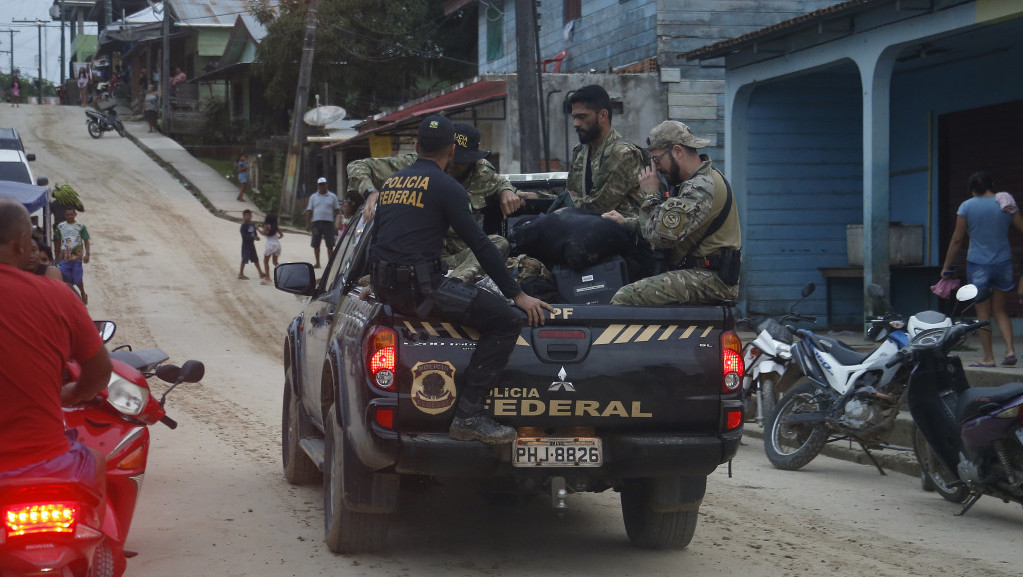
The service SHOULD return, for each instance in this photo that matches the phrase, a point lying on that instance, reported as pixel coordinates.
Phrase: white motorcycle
(848, 395)
(768, 362)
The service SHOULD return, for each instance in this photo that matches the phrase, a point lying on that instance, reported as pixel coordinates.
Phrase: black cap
(467, 144)
(435, 132)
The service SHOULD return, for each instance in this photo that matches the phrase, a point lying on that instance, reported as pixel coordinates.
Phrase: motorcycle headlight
(125, 395)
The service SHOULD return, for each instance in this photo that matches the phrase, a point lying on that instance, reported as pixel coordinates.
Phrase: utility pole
(165, 71)
(39, 79)
(289, 191)
(529, 101)
(11, 51)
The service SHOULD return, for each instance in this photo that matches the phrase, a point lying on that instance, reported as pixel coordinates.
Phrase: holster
(729, 265)
(451, 296)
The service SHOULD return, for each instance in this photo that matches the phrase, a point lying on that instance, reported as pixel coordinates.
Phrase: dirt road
(215, 503)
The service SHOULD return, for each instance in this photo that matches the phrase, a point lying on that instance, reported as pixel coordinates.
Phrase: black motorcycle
(969, 441)
(99, 122)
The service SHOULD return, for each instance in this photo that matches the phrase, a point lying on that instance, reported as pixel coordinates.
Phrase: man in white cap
(698, 225)
(319, 218)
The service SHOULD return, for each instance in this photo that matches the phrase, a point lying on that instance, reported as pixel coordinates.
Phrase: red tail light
(381, 357)
(384, 417)
(731, 362)
(32, 518)
(734, 419)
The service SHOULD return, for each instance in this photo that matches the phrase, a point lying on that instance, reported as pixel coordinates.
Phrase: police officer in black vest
(415, 207)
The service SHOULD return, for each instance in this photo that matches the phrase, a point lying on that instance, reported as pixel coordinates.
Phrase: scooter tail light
(382, 357)
(34, 518)
(731, 362)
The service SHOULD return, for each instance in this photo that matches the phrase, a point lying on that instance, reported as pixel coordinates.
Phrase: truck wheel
(94, 129)
(649, 529)
(346, 531)
(299, 469)
(933, 475)
(790, 446)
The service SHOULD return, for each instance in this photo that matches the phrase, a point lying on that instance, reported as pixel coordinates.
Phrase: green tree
(371, 53)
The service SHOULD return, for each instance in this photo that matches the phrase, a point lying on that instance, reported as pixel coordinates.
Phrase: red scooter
(57, 527)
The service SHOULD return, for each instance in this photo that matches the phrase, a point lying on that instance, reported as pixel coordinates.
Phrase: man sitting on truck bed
(471, 169)
(416, 207)
(698, 223)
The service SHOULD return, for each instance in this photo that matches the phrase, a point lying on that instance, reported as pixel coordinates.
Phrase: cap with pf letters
(672, 132)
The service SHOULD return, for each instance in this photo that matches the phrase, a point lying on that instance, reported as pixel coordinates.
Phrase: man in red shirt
(42, 325)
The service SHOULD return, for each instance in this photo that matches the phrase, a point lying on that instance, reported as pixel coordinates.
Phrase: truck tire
(649, 529)
(346, 531)
(790, 446)
(933, 475)
(299, 469)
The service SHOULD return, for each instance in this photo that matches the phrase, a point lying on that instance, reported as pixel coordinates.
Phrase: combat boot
(480, 427)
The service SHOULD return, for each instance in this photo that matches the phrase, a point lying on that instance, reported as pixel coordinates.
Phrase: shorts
(243, 177)
(77, 464)
(72, 270)
(150, 115)
(249, 252)
(323, 229)
(997, 276)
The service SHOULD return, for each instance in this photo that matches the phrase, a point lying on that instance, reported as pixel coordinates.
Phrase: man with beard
(471, 169)
(602, 175)
(698, 224)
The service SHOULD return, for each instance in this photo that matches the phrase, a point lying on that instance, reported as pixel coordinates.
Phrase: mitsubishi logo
(562, 385)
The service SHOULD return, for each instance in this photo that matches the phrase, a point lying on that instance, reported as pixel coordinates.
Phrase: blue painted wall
(918, 98)
(805, 184)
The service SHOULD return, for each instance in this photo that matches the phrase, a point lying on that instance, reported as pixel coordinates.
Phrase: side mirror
(967, 292)
(30, 157)
(296, 278)
(169, 373)
(42, 181)
(192, 371)
(106, 330)
(808, 289)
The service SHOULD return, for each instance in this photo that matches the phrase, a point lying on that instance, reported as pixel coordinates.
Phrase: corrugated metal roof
(213, 13)
(726, 47)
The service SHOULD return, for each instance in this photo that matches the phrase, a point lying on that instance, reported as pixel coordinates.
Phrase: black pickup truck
(645, 401)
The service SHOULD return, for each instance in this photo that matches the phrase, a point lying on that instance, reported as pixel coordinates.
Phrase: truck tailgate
(635, 369)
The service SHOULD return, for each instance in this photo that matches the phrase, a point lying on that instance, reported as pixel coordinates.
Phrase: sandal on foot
(242, 277)
(983, 365)
(1009, 361)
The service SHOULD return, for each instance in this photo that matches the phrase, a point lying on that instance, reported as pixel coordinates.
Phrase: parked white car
(14, 167)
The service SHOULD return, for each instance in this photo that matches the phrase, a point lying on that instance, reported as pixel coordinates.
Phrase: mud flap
(675, 494)
(366, 491)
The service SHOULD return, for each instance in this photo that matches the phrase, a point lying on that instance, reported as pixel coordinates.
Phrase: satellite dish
(324, 115)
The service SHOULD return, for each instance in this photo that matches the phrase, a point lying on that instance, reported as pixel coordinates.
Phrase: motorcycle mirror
(192, 371)
(169, 373)
(808, 289)
(875, 290)
(967, 292)
(106, 330)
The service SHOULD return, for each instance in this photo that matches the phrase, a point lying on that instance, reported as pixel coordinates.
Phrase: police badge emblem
(433, 386)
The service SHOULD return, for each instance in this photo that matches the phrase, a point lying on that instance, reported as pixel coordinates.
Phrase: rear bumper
(625, 456)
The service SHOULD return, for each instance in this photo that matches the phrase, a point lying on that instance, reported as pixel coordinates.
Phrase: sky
(26, 38)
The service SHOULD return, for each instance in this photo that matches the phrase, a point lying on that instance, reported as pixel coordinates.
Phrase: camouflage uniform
(678, 223)
(614, 167)
(481, 182)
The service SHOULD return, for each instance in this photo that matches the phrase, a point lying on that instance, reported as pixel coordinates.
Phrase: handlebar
(948, 341)
(171, 423)
(799, 318)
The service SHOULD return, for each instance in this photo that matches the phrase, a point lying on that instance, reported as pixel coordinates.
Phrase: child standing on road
(272, 233)
(249, 238)
(72, 239)
(242, 168)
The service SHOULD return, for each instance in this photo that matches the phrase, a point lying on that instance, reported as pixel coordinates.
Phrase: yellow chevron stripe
(410, 327)
(688, 331)
(608, 335)
(707, 332)
(451, 330)
(667, 332)
(471, 333)
(628, 334)
(429, 328)
(521, 342)
(647, 333)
